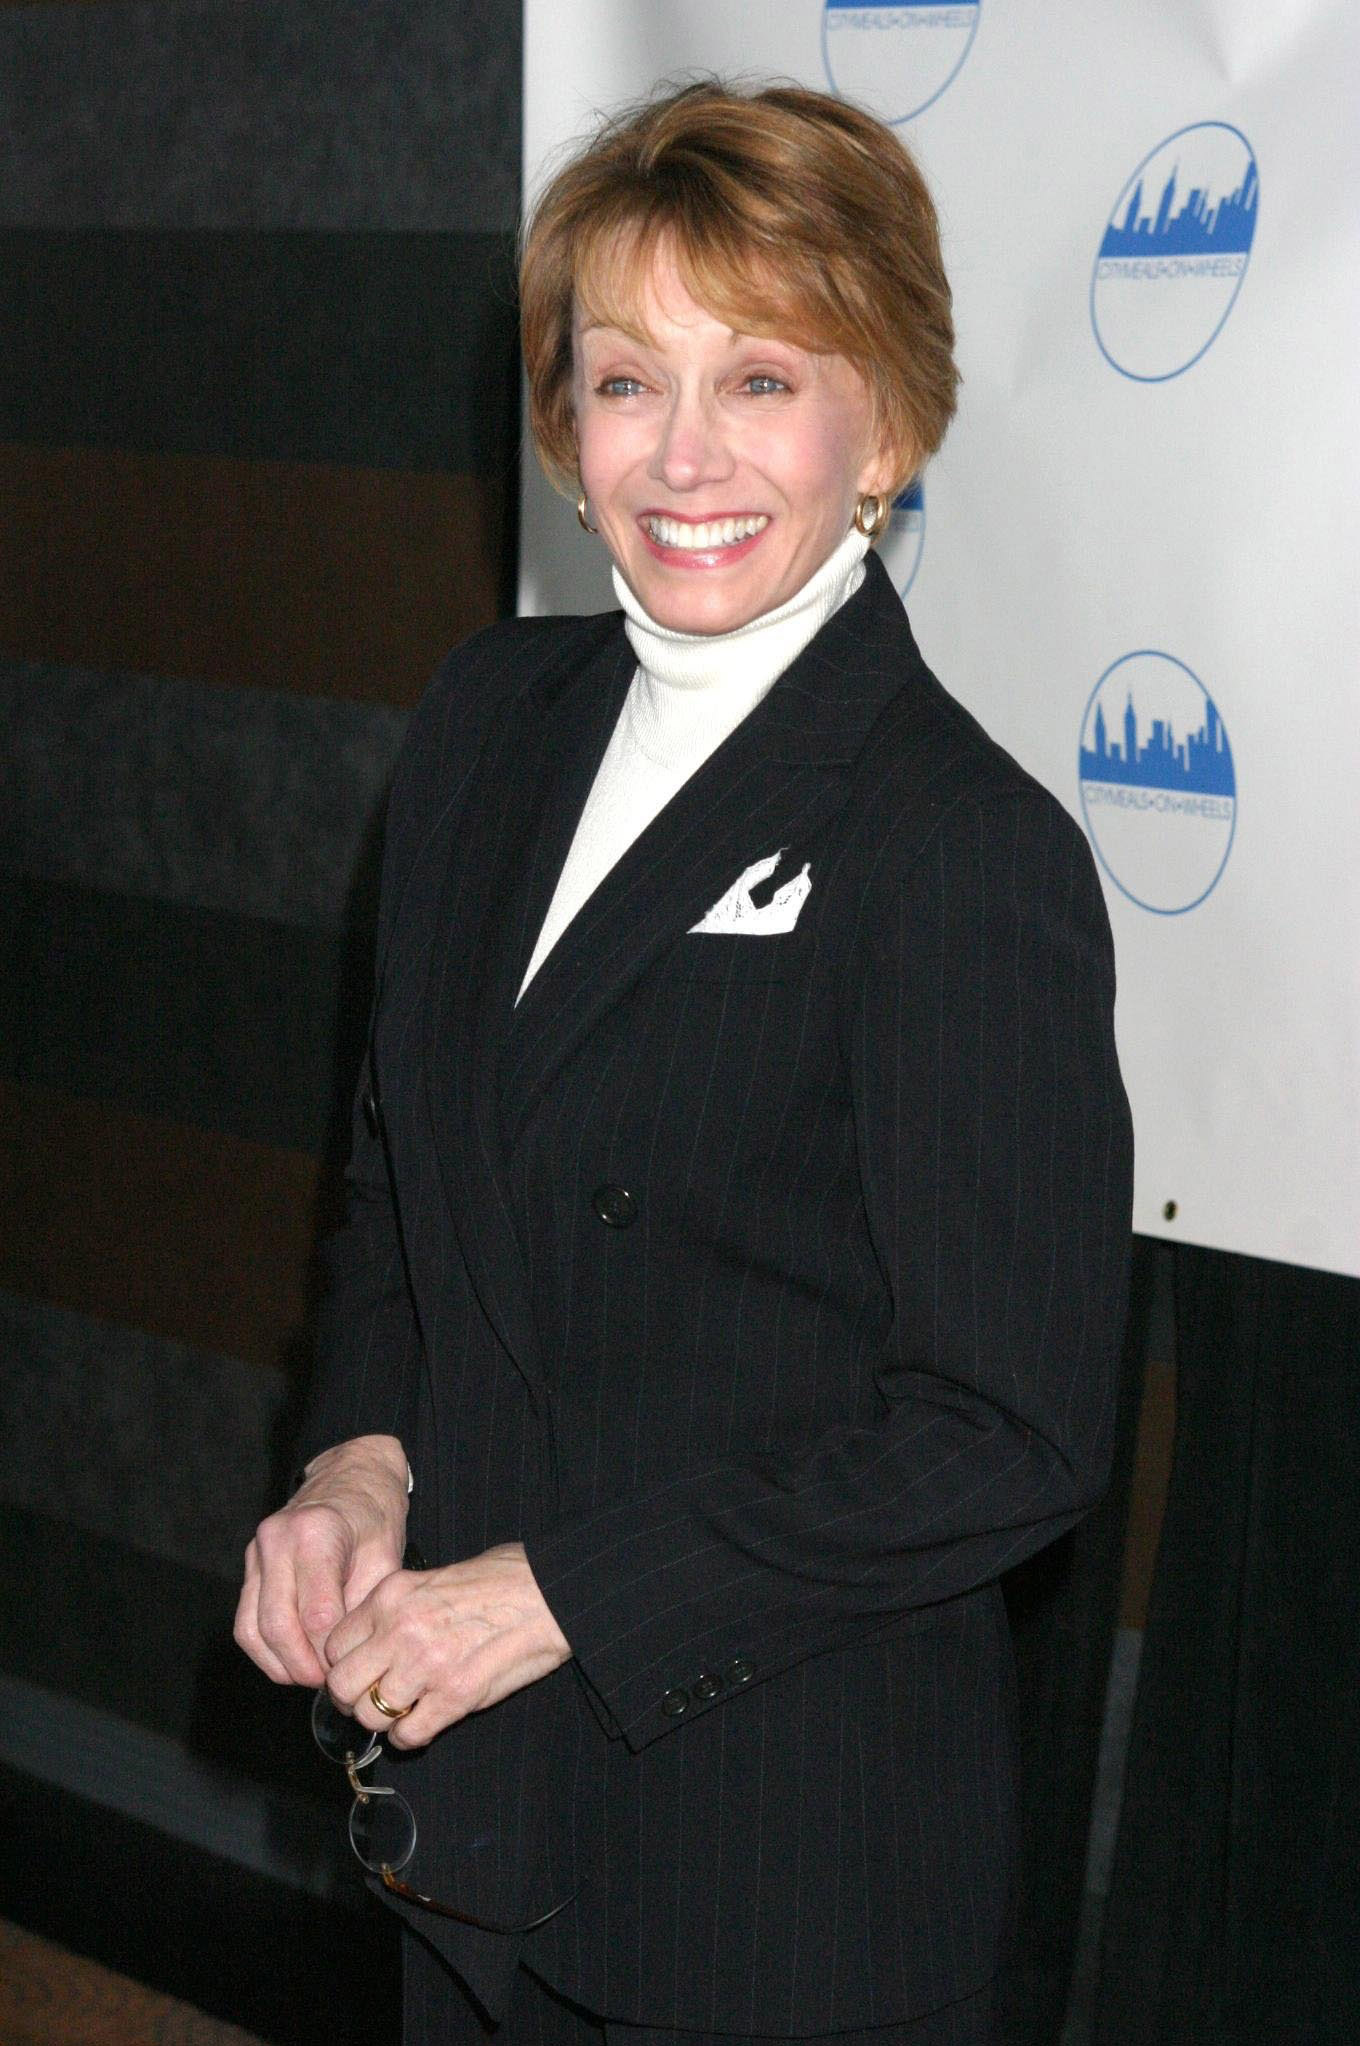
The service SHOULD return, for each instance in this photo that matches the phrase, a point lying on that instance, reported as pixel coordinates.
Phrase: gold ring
(380, 1704)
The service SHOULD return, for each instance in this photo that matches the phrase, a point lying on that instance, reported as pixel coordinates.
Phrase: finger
(396, 1665)
(246, 1630)
(351, 1680)
(438, 1701)
(348, 1637)
(277, 1616)
(390, 1690)
(438, 1696)
(385, 1606)
(372, 1565)
(428, 1716)
(283, 1637)
(320, 1594)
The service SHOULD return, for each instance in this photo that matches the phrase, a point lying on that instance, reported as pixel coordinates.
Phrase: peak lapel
(778, 776)
(512, 832)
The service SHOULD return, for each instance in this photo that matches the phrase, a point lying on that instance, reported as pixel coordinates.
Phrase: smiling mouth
(705, 536)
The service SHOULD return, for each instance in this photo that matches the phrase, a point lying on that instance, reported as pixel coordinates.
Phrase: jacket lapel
(511, 835)
(779, 776)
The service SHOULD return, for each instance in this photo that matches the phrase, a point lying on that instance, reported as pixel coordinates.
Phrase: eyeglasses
(382, 1826)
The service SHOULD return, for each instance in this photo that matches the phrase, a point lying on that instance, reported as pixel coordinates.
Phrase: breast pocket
(740, 961)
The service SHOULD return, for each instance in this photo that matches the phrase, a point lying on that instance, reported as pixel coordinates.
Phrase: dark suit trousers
(439, 2012)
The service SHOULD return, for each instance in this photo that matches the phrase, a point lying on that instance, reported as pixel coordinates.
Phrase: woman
(740, 1192)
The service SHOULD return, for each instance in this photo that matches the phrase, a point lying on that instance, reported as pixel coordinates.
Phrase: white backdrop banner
(1134, 557)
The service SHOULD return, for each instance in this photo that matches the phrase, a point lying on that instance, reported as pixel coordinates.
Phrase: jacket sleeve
(995, 1163)
(368, 1340)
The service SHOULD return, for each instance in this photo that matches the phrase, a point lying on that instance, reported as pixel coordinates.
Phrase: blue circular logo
(1174, 252)
(1158, 788)
(901, 544)
(896, 56)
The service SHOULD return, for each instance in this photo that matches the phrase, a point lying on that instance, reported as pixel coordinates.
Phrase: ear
(884, 470)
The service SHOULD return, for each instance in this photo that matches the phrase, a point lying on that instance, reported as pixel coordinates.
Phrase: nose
(691, 449)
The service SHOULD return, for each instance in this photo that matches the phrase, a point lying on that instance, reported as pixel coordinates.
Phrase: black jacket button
(614, 1205)
(708, 1686)
(739, 1670)
(370, 1107)
(675, 1703)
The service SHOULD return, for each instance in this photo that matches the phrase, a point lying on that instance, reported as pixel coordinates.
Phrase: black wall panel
(258, 432)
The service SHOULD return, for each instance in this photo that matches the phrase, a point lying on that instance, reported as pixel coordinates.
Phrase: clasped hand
(325, 1601)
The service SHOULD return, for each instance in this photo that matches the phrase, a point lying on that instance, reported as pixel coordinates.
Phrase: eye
(619, 387)
(763, 383)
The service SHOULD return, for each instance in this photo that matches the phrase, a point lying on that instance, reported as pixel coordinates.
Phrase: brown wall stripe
(49, 1995)
(185, 1233)
(313, 577)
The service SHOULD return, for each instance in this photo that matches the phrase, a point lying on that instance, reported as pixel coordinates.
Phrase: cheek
(818, 465)
(607, 448)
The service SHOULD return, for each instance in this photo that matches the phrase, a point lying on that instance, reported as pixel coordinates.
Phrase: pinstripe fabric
(438, 2008)
(769, 1447)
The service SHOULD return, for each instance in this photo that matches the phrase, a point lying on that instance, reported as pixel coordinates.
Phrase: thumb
(373, 1561)
(321, 1604)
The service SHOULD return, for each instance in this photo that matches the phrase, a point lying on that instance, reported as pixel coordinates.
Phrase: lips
(702, 536)
(701, 543)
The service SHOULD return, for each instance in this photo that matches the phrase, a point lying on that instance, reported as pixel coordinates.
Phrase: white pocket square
(736, 912)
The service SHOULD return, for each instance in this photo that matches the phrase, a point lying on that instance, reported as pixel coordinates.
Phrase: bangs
(723, 273)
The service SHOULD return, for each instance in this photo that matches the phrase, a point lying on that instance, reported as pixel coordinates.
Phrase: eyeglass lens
(340, 1738)
(382, 1830)
(382, 1826)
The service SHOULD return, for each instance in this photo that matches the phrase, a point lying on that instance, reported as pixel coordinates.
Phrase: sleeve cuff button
(674, 1703)
(739, 1670)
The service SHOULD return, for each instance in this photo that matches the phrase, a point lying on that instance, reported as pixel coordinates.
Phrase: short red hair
(788, 212)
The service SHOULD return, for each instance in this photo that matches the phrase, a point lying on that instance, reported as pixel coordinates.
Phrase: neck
(756, 652)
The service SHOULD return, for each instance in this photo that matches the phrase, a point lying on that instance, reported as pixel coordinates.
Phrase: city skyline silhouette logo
(1175, 251)
(896, 57)
(901, 544)
(1157, 780)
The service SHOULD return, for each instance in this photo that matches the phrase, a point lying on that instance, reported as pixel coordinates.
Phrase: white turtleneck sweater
(690, 691)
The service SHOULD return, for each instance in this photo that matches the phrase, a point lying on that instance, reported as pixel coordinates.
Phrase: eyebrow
(734, 334)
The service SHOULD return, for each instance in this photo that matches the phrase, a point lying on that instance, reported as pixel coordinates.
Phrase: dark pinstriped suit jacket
(769, 1445)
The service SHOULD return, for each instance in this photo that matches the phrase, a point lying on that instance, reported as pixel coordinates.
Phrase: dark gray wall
(258, 423)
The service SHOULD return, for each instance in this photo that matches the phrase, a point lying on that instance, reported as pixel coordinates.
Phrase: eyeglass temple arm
(401, 1889)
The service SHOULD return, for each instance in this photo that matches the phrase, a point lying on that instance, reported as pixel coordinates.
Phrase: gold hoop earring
(585, 524)
(869, 521)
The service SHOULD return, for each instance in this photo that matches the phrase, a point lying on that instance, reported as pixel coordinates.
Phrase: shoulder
(501, 662)
(921, 761)
(449, 726)
(927, 757)
(475, 680)
(946, 818)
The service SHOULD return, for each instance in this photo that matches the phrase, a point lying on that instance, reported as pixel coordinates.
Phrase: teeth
(707, 534)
